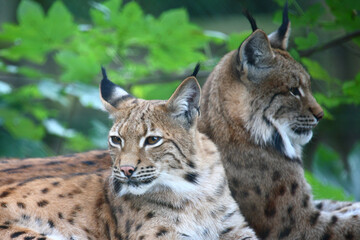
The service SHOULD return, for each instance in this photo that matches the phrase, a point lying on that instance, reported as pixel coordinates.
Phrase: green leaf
(351, 89)
(235, 39)
(155, 91)
(30, 13)
(317, 71)
(20, 126)
(78, 143)
(326, 191)
(328, 167)
(306, 42)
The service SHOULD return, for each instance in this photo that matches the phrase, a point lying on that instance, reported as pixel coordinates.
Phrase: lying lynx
(166, 181)
(258, 108)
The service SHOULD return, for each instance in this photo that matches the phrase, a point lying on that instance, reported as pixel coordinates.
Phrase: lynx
(258, 108)
(166, 181)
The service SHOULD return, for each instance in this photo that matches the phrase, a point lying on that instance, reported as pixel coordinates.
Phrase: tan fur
(184, 192)
(247, 100)
(18, 170)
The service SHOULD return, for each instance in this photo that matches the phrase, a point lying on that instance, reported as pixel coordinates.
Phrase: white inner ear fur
(182, 102)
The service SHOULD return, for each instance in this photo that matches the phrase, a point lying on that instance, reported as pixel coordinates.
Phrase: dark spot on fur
(21, 205)
(349, 236)
(71, 221)
(51, 223)
(294, 187)
(60, 215)
(44, 238)
(141, 237)
(16, 234)
(306, 201)
(88, 163)
(285, 232)
(3, 205)
(150, 215)
(326, 236)
(276, 176)
(55, 184)
(25, 217)
(257, 190)
(270, 209)
(282, 190)
(45, 190)
(191, 164)
(319, 205)
(138, 227)
(128, 225)
(191, 177)
(53, 163)
(263, 233)
(4, 194)
(313, 218)
(42, 203)
(244, 194)
(290, 209)
(4, 227)
(334, 219)
(162, 231)
(29, 238)
(227, 230)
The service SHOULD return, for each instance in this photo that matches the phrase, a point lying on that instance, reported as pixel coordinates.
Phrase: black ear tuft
(251, 20)
(279, 38)
(196, 70)
(103, 71)
(111, 94)
(285, 21)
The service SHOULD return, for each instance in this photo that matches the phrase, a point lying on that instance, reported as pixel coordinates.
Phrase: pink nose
(127, 170)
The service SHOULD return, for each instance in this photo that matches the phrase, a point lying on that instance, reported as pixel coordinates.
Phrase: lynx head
(152, 142)
(271, 92)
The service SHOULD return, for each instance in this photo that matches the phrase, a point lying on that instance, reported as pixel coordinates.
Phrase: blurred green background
(51, 53)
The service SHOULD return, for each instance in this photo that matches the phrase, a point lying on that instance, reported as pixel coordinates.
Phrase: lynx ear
(255, 55)
(280, 38)
(111, 95)
(183, 105)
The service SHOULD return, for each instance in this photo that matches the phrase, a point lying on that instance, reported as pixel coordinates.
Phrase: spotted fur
(19, 170)
(166, 181)
(258, 108)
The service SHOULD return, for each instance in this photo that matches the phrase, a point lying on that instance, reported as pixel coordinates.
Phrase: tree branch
(330, 44)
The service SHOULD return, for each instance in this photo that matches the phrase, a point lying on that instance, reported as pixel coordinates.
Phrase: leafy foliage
(328, 167)
(139, 45)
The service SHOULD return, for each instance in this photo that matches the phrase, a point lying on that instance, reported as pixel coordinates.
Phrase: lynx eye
(115, 140)
(295, 91)
(152, 140)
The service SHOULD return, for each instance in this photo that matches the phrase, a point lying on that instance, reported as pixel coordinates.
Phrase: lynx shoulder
(258, 108)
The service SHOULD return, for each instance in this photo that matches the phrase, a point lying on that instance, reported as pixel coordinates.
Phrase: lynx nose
(127, 170)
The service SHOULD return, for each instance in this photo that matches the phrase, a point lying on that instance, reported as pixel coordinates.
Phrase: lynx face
(279, 107)
(282, 110)
(146, 156)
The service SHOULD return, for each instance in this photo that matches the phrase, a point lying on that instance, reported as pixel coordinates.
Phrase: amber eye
(115, 140)
(152, 140)
(295, 91)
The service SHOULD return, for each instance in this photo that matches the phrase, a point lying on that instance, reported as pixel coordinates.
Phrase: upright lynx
(258, 108)
(166, 181)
